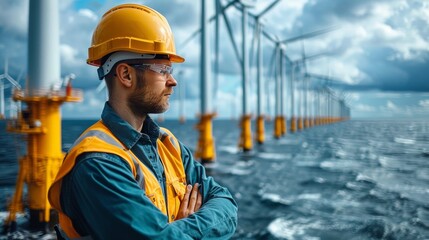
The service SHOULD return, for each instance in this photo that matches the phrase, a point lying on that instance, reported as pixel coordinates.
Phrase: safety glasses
(163, 69)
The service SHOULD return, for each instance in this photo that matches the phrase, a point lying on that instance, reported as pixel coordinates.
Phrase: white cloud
(398, 25)
(288, 17)
(90, 107)
(14, 17)
(88, 14)
(69, 55)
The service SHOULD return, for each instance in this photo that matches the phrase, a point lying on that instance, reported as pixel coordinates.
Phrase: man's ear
(124, 74)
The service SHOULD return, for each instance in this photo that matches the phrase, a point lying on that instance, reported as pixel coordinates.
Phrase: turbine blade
(15, 83)
(310, 34)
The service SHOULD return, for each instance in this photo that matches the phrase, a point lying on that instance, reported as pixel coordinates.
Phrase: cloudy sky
(378, 55)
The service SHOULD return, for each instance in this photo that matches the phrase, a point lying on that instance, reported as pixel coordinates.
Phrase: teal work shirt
(102, 198)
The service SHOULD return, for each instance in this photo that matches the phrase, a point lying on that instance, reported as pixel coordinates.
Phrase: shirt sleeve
(103, 200)
(217, 218)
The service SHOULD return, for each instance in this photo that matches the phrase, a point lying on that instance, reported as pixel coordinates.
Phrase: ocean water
(349, 180)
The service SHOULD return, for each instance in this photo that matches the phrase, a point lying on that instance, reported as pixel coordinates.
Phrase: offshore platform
(40, 117)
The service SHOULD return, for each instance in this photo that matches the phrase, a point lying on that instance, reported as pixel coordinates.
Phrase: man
(124, 177)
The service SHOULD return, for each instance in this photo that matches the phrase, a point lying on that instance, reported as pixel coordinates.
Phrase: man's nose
(171, 81)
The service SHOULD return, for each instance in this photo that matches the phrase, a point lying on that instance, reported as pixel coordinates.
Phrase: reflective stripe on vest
(98, 138)
(111, 140)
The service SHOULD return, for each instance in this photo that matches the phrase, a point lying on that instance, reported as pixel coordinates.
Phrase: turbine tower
(41, 120)
(206, 145)
(260, 120)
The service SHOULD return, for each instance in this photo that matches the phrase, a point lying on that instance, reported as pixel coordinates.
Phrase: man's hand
(191, 202)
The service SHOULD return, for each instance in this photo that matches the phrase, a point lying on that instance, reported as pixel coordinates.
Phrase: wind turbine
(205, 149)
(308, 120)
(245, 142)
(14, 106)
(206, 145)
(330, 114)
(42, 121)
(279, 124)
(182, 98)
(6, 76)
(260, 125)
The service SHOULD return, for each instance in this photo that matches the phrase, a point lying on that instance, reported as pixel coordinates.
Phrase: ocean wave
(422, 173)
(339, 153)
(293, 229)
(423, 217)
(309, 164)
(328, 164)
(385, 161)
(309, 196)
(240, 168)
(364, 178)
(404, 140)
(288, 141)
(238, 171)
(229, 149)
(378, 228)
(313, 181)
(5, 214)
(274, 156)
(355, 186)
(275, 198)
(340, 165)
(29, 235)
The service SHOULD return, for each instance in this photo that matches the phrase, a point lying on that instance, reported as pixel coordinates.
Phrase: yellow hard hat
(132, 28)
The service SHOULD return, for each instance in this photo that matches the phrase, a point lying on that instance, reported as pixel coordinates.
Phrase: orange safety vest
(98, 138)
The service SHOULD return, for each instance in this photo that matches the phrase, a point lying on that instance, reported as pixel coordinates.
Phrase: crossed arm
(191, 202)
(100, 193)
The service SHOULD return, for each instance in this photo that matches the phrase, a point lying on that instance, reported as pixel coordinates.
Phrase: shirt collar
(125, 133)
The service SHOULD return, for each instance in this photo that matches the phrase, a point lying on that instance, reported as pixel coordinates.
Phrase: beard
(144, 101)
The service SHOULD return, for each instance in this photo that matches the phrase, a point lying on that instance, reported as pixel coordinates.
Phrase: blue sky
(379, 54)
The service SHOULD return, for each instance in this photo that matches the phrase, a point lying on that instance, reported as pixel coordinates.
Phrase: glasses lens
(159, 68)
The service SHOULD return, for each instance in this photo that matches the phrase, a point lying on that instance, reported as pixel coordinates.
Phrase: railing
(55, 94)
(21, 125)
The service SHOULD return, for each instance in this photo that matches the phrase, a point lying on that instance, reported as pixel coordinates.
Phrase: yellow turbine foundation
(260, 129)
(300, 123)
(246, 143)
(283, 125)
(42, 122)
(307, 122)
(293, 124)
(278, 127)
(206, 144)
